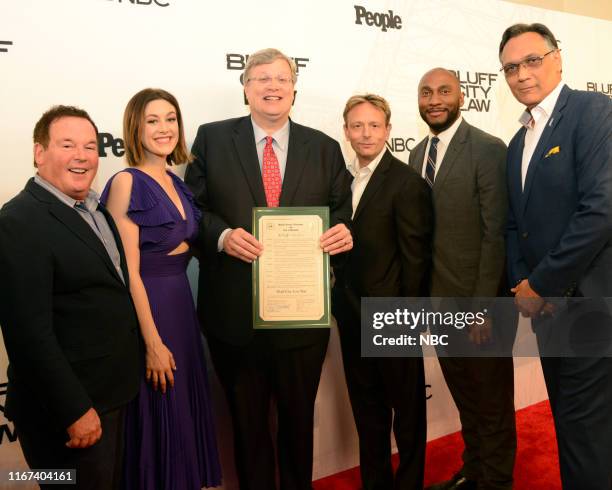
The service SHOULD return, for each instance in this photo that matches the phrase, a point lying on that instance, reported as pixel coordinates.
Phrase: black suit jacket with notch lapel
(67, 318)
(392, 230)
(226, 180)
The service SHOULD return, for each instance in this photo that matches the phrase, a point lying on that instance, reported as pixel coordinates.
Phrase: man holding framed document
(265, 160)
(291, 280)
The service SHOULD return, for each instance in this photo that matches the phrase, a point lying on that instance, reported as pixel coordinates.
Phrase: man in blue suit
(560, 238)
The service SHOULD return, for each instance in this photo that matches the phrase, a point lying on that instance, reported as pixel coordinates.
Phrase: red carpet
(536, 461)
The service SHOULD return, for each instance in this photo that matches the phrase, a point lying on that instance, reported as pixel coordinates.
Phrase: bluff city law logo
(383, 20)
(601, 87)
(477, 87)
(6, 433)
(158, 3)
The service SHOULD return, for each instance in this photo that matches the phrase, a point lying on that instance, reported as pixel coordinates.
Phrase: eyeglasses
(512, 69)
(266, 80)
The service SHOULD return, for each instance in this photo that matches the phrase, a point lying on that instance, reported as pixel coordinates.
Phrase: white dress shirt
(535, 121)
(362, 177)
(445, 137)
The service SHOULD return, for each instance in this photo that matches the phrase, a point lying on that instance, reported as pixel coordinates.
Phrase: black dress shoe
(457, 482)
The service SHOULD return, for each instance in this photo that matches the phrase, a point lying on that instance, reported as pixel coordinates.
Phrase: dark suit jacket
(226, 180)
(470, 205)
(560, 226)
(68, 322)
(392, 229)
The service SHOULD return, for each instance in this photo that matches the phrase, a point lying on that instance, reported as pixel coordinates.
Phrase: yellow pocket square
(552, 151)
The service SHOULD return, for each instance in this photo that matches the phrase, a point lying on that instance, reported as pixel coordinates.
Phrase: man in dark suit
(465, 168)
(67, 318)
(264, 159)
(392, 227)
(560, 238)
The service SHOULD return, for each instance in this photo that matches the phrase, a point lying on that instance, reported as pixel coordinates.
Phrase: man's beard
(438, 127)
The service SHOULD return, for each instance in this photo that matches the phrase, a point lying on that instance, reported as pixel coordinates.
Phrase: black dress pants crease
(98, 467)
(386, 394)
(252, 377)
(483, 390)
(580, 394)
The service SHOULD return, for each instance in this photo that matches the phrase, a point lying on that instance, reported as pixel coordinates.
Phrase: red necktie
(271, 174)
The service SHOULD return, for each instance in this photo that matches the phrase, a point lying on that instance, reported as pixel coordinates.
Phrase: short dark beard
(436, 128)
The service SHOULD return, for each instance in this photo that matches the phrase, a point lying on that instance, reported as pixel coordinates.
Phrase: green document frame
(291, 277)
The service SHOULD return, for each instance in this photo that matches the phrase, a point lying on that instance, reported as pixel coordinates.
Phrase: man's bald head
(440, 99)
(443, 73)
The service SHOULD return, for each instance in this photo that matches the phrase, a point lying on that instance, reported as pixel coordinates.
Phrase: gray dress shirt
(88, 210)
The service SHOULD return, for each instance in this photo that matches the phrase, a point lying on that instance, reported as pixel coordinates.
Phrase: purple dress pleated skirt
(170, 438)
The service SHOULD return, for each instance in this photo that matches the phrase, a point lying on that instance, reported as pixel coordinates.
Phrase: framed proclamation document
(291, 276)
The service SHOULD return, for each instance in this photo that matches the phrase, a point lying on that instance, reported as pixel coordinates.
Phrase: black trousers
(575, 349)
(580, 394)
(483, 390)
(386, 394)
(98, 467)
(255, 376)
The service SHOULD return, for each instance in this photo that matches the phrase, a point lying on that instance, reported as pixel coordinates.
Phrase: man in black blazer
(560, 242)
(67, 318)
(240, 164)
(465, 168)
(392, 230)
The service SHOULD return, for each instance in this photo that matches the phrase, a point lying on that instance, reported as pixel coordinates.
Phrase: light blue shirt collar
(280, 137)
(91, 201)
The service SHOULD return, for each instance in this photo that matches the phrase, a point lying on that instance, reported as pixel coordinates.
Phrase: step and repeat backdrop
(97, 53)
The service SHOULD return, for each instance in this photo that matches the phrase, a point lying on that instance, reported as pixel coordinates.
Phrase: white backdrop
(97, 53)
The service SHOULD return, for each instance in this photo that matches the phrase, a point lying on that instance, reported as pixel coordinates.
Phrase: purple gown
(170, 439)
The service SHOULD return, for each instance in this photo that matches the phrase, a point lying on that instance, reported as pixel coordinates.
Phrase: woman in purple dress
(170, 434)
